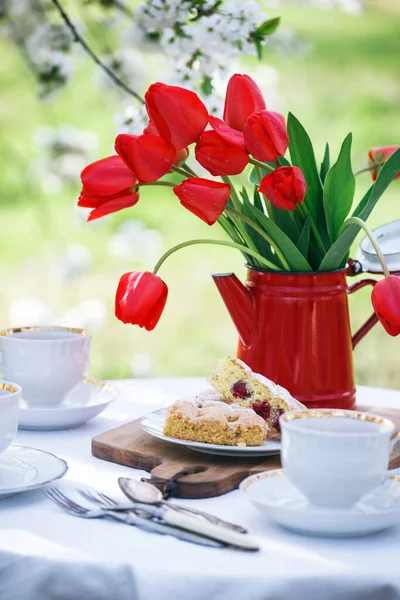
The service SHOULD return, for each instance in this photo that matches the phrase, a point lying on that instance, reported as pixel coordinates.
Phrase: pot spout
(239, 302)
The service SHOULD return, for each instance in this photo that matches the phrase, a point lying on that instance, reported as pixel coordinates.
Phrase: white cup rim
(10, 387)
(286, 421)
(9, 333)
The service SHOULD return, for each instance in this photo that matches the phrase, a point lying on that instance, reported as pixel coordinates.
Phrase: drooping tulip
(140, 299)
(204, 198)
(378, 156)
(284, 187)
(219, 156)
(107, 186)
(243, 97)
(386, 302)
(265, 136)
(148, 156)
(178, 114)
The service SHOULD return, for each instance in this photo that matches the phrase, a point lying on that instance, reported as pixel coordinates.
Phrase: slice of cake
(214, 422)
(238, 384)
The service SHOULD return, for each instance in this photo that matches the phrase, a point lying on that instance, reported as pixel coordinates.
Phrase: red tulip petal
(386, 302)
(243, 97)
(232, 136)
(265, 136)
(219, 156)
(113, 205)
(107, 176)
(177, 113)
(204, 198)
(149, 156)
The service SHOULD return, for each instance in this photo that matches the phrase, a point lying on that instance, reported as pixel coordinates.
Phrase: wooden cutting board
(205, 475)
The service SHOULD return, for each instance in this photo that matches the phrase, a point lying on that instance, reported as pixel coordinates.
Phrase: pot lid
(388, 238)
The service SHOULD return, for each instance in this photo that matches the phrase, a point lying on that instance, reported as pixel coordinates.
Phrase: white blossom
(155, 15)
(127, 65)
(133, 120)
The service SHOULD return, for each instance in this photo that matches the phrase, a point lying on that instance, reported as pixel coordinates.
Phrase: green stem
(234, 196)
(181, 171)
(365, 169)
(262, 233)
(304, 213)
(165, 183)
(189, 170)
(362, 224)
(258, 163)
(243, 249)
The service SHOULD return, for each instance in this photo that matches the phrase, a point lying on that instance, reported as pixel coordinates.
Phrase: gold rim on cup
(10, 332)
(9, 387)
(383, 423)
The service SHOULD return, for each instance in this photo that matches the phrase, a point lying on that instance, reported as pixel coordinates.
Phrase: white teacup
(10, 396)
(47, 362)
(335, 456)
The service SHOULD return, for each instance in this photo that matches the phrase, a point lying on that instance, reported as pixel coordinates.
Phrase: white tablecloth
(47, 555)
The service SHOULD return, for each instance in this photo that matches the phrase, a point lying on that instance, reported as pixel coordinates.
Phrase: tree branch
(89, 51)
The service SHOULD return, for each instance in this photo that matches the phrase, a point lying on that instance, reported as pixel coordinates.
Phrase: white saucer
(277, 498)
(23, 469)
(153, 424)
(86, 401)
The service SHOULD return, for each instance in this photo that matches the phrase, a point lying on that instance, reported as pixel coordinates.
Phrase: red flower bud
(204, 198)
(284, 187)
(219, 156)
(148, 156)
(386, 302)
(107, 186)
(178, 114)
(140, 299)
(378, 156)
(243, 97)
(265, 136)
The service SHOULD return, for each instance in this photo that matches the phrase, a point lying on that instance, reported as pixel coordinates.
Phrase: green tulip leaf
(304, 237)
(338, 252)
(268, 27)
(302, 155)
(292, 254)
(339, 190)
(325, 164)
(261, 243)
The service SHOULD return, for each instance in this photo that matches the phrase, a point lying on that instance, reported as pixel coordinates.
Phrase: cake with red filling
(214, 422)
(238, 384)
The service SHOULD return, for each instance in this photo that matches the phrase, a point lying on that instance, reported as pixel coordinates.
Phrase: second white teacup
(335, 456)
(10, 397)
(47, 362)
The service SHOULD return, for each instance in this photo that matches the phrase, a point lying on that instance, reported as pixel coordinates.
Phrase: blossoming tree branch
(295, 217)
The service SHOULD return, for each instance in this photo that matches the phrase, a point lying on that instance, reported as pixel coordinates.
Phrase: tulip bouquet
(294, 215)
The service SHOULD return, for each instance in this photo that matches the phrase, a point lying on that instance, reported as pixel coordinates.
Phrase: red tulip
(148, 156)
(140, 299)
(178, 114)
(386, 303)
(107, 186)
(284, 187)
(265, 136)
(378, 156)
(219, 156)
(243, 97)
(204, 198)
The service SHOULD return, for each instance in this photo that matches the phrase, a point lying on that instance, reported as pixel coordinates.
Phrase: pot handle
(368, 325)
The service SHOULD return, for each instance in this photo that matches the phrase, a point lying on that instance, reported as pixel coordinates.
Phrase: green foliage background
(348, 82)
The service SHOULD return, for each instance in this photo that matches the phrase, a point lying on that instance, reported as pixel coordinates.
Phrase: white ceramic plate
(277, 499)
(86, 401)
(23, 469)
(153, 424)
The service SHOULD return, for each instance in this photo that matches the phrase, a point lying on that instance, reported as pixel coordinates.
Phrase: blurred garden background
(337, 70)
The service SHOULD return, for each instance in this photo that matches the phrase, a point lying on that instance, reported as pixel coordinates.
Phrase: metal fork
(77, 510)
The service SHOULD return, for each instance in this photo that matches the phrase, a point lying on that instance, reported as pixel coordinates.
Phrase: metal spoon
(139, 491)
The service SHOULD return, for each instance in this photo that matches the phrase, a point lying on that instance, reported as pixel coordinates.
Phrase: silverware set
(151, 514)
